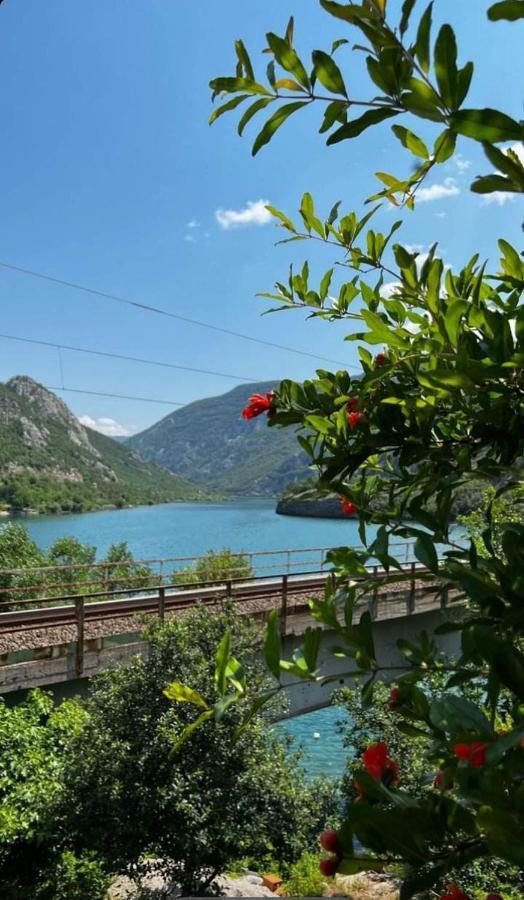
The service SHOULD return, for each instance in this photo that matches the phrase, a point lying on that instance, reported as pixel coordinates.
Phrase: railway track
(102, 606)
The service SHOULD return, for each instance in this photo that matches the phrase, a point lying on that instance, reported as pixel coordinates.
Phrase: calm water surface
(190, 529)
(325, 755)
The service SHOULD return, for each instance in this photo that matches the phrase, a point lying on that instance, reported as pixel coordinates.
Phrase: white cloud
(255, 213)
(449, 188)
(441, 215)
(389, 289)
(461, 163)
(110, 427)
(498, 198)
(190, 239)
(193, 224)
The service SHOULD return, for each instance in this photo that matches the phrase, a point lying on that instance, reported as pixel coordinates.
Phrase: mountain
(209, 443)
(50, 462)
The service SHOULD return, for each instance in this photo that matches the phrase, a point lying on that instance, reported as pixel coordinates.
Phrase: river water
(191, 529)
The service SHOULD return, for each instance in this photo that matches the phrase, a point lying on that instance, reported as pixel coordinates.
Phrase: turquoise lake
(326, 754)
(191, 529)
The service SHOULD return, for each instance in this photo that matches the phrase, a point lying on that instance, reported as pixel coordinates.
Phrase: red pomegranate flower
(474, 753)
(381, 359)
(353, 404)
(258, 404)
(378, 764)
(454, 893)
(355, 418)
(394, 698)
(348, 508)
(441, 782)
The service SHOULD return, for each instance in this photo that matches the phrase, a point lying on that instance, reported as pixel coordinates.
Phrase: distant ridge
(49, 462)
(210, 444)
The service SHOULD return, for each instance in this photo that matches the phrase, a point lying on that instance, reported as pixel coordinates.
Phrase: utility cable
(164, 312)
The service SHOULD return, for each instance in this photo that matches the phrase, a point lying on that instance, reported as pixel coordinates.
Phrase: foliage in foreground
(92, 788)
(439, 406)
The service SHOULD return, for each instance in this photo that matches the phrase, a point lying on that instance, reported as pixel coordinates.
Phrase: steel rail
(175, 599)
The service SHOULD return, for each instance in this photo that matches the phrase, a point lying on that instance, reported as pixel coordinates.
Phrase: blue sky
(111, 177)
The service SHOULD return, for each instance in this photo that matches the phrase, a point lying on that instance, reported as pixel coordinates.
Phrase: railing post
(229, 588)
(162, 603)
(444, 599)
(283, 607)
(411, 598)
(80, 622)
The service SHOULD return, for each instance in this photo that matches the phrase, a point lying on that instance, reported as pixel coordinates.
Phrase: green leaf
(328, 73)
(411, 141)
(272, 644)
(221, 706)
(334, 112)
(244, 60)
(464, 77)
(307, 211)
(182, 693)
(456, 716)
(288, 58)
(357, 126)
(222, 659)
(487, 184)
(444, 146)
(486, 125)
(232, 85)
(504, 833)
(425, 552)
(272, 124)
(286, 222)
(312, 640)
(422, 51)
(506, 9)
(407, 9)
(252, 111)
(231, 104)
(189, 729)
(445, 63)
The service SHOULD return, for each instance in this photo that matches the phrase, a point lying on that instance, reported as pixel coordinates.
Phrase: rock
(240, 887)
(365, 886)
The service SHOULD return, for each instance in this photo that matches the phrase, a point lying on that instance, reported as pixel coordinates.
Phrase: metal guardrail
(287, 561)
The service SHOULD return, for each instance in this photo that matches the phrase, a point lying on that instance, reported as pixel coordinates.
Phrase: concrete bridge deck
(74, 638)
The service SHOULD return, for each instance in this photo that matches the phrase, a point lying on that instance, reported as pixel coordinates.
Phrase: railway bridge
(49, 639)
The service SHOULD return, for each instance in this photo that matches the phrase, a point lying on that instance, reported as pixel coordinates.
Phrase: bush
(35, 739)
(129, 797)
(304, 879)
(74, 878)
(218, 566)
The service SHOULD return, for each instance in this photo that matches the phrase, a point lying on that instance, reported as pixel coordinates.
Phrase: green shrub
(304, 879)
(74, 878)
(218, 566)
(128, 796)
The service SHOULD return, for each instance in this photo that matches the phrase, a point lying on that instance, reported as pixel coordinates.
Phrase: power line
(164, 312)
(138, 359)
(50, 387)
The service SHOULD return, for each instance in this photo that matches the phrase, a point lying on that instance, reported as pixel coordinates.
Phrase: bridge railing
(51, 584)
(288, 592)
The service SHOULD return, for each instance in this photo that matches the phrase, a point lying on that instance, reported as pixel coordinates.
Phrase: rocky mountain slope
(209, 443)
(50, 462)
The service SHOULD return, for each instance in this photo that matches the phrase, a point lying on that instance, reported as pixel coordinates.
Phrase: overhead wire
(137, 359)
(164, 312)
